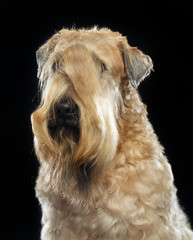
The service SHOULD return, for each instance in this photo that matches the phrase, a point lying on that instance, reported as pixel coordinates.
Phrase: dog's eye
(103, 67)
(55, 66)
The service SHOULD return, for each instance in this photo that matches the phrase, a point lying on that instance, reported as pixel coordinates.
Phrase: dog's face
(83, 78)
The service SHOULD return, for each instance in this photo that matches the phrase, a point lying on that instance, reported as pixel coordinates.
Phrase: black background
(162, 29)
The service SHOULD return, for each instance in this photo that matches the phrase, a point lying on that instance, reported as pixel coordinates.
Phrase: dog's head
(83, 78)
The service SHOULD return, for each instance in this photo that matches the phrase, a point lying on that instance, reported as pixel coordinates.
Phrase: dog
(103, 173)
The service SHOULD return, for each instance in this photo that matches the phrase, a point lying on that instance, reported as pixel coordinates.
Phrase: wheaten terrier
(103, 173)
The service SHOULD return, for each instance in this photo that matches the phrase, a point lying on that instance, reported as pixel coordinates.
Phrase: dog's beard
(85, 140)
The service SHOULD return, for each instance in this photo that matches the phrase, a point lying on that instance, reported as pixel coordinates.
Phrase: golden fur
(115, 182)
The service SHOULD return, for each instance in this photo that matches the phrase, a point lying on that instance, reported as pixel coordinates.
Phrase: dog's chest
(79, 222)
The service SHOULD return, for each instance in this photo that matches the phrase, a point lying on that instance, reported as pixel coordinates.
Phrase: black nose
(66, 112)
(65, 109)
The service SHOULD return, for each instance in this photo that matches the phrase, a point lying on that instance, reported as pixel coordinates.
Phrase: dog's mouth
(64, 120)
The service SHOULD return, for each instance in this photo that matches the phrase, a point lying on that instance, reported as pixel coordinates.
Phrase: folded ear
(137, 65)
(41, 57)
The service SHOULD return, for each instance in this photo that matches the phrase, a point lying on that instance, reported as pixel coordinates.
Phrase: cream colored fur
(131, 194)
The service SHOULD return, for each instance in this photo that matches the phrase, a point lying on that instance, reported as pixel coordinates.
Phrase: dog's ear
(42, 55)
(137, 65)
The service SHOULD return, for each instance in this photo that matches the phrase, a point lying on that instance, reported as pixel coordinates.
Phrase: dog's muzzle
(65, 117)
(67, 114)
